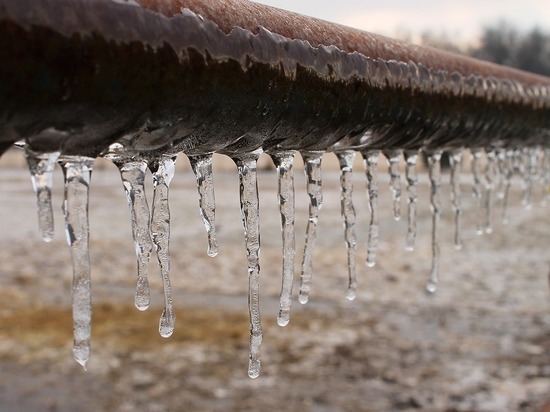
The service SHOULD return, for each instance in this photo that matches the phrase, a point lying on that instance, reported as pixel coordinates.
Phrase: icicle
(393, 157)
(163, 172)
(312, 170)
(489, 187)
(133, 176)
(500, 179)
(411, 158)
(530, 174)
(371, 168)
(246, 165)
(508, 174)
(77, 173)
(202, 167)
(455, 159)
(41, 167)
(476, 172)
(346, 159)
(434, 165)
(545, 177)
(283, 161)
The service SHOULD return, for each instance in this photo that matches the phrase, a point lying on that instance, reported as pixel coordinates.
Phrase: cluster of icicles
(492, 178)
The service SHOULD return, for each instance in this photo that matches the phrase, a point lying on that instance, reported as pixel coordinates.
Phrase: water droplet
(434, 168)
(202, 167)
(246, 165)
(411, 158)
(283, 162)
(455, 159)
(346, 159)
(132, 174)
(42, 167)
(77, 173)
(489, 187)
(312, 170)
(476, 189)
(393, 157)
(371, 170)
(163, 171)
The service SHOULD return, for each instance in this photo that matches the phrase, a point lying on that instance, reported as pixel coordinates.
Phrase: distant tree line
(504, 44)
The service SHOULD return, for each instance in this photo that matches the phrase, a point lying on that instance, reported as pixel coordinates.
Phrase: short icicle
(434, 165)
(490, 174)
(476, 189)
(42, 167)
(411, 158)
(133, 180)
(250, 213)
(283, 162)
(163, 171)
(312, 170)
(393, 157)
(77, 172)
(202, 167)
(346, 159)
(455, 158)
(371, 170)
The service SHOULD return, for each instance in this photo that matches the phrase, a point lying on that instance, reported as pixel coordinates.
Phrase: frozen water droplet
(455, 159)
(283, 161)
(434, 166)
(371, 168)
(346, 159)
(489, 187)
(163, 171)
(42, 167)
(312, 170)
(411, 158)
(132, 174)
(393, 157)
(202, 167)
(476, 189)
(77, 173)
(250, 213)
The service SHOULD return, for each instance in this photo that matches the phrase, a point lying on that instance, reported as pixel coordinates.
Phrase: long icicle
(545, 177)
(132, 174)
(346, 159)
(455, 159)
(77, 172)
(371, 170)
(250, 213)
(202, 167)
(393, 157)
(283, 162)
(476, 188)
(508, 175)
(163, 171)
(312, 170)
(42, 167)
(434, 165)
(490, 174)
(411, 158)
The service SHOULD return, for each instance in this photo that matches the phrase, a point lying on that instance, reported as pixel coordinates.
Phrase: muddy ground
(482, 343)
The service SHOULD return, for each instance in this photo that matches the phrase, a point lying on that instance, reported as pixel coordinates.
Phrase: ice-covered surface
(480, 343)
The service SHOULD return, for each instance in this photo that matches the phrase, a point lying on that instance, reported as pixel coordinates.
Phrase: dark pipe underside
(232, 76)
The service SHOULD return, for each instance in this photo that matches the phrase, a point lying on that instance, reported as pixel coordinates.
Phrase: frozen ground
(482, 343)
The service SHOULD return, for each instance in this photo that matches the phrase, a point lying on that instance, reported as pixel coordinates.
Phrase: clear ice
(132, 174)
(250, 213)
(490, 174)
(476, 189)
(455, 159)
(312, 170)
(163, 171)
(42, 167)
(393, 157)
(346, 159)
(371, 170)
(283, 162)
(202, 167)
(434, 169)
(77, 173)
(411, 158)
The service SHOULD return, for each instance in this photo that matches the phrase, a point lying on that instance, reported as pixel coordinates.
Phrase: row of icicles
(152, 228)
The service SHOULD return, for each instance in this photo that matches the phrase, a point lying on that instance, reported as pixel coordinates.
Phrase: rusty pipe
(225, 76)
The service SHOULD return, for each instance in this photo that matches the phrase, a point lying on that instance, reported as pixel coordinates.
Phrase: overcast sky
(461, 19)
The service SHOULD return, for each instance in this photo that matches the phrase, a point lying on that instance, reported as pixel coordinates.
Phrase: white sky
(459, 19)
